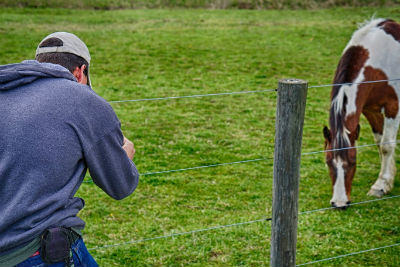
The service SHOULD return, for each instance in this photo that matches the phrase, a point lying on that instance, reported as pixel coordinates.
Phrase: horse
(372, 54)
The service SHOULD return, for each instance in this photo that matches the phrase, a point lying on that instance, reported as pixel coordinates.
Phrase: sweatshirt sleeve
(110, 167)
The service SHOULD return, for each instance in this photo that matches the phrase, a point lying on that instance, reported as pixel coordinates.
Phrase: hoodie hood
(15, 75)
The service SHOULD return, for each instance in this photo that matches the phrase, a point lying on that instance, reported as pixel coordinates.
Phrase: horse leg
(387, 151)
(375, 119)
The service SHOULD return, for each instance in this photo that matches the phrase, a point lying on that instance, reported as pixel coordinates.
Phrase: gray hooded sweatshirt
(52, 129)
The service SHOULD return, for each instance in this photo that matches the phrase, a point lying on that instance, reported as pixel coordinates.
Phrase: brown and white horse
(372, 54)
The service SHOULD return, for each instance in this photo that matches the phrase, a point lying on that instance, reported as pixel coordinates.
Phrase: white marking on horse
(351, 93)
(339, 198)
(387, 148)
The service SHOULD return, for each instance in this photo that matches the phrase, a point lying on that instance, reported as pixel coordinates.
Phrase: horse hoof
(376, 193)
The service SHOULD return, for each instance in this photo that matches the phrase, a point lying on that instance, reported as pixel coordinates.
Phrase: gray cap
(71, 44)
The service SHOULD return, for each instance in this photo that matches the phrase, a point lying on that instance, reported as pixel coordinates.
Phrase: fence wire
(242, 92)
(245, 92)
(253, 160)
(347, 148)
(351, 204)
(193, 96)
(206, 166)
(350, 254)
(259, 159)
(228, 225)
(366, 82)
(179, 234)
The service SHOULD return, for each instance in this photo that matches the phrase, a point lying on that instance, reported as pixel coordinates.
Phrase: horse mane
(337, 115)
(370, 23)
(363, 29)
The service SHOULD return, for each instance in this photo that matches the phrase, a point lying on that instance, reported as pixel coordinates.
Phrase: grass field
(155, 53)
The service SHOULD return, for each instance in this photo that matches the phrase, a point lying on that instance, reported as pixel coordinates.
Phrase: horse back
(373, 54)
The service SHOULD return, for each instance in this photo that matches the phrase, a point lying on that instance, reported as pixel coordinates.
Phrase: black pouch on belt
(55, 245)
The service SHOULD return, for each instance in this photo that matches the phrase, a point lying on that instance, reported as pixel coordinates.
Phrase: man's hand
(129, 148)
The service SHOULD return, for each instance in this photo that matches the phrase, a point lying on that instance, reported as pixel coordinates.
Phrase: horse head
(341, 161)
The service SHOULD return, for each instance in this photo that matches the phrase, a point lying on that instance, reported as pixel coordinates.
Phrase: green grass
(155, 53)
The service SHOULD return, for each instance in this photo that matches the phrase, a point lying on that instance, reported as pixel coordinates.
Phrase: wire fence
(231, 225)
(365, 82)
(264, 159)
(180, 234)
(254, 160)
(241, 92)
(193, 96)
(249, 161)
(245, 92)
(349, 254)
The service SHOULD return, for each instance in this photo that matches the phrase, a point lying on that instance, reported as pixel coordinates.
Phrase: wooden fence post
(291, 102)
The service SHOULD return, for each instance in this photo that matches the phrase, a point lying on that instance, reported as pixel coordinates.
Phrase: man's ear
(79, 75)
(327, 134)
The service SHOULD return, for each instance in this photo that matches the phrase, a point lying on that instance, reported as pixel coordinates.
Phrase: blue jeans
(80, 255)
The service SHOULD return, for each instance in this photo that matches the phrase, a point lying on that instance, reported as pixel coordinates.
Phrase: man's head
(67, 50)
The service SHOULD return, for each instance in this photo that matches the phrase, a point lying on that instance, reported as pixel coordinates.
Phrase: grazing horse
(372, 54)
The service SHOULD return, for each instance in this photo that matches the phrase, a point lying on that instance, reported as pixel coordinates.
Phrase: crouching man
(53, 127)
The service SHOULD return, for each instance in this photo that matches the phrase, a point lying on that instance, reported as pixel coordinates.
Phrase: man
(53, 127)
